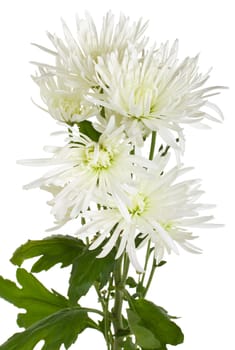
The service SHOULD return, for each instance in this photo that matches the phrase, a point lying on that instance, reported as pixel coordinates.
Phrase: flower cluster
(114, 94)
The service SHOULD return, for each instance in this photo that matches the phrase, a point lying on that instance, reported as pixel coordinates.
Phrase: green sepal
(52, 250)
(86, 127)
(88, 269)
(139, 239)
(162, 263)
(38, 301)
(62, 327)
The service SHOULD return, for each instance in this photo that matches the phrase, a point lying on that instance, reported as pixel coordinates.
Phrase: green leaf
(88, 269)
(140, 290)
(52, 250)
(162, 348)
(131, 282)
(86, 127)
(38, 301)
(154, 319)
(129, 345)
(144, 337)
(60, 328)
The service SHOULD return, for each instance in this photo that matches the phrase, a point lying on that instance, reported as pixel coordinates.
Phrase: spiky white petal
(155, 91)
(162, 209)
(86, 171)
(78, 53)
(127, 91)
(64, 103)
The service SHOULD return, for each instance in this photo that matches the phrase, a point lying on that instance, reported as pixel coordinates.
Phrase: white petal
(166, 238)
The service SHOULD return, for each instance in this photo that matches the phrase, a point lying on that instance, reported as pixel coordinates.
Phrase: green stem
(102, 112)
(105, 314)
(118, 301)
(105, 306)
(107, 321)
(126, 265)
(153, 144)
(95, 311)
(148, 253)
(107, 331)
(150, 277)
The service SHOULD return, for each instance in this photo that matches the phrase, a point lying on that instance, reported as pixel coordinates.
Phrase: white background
(200, 289)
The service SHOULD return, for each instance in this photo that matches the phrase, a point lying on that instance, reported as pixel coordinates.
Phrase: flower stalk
(111, 93)
(118, 303)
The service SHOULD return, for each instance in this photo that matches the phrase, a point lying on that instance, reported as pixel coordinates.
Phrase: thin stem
(108, 314)
(150, 277)
(153, 144)
(105, 314)
(105, 306)
(126, 265)
(95, 311)
(106, 324)
(118, 301)
(148, 253)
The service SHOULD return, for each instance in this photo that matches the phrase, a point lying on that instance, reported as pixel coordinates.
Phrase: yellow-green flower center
(168, 226)
(139, 204)
(99, 157)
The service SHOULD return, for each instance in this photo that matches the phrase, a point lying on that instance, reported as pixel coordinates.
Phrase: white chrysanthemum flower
(154, 91)
(161, 209)
(78, 54)
(63, 103)
(85, 170)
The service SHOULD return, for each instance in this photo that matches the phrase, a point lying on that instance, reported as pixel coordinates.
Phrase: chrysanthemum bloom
(76, 55)
(85, 169)
(155, 91)
(146, 89)
(62, 102)
(128, 92)
(161, 209)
